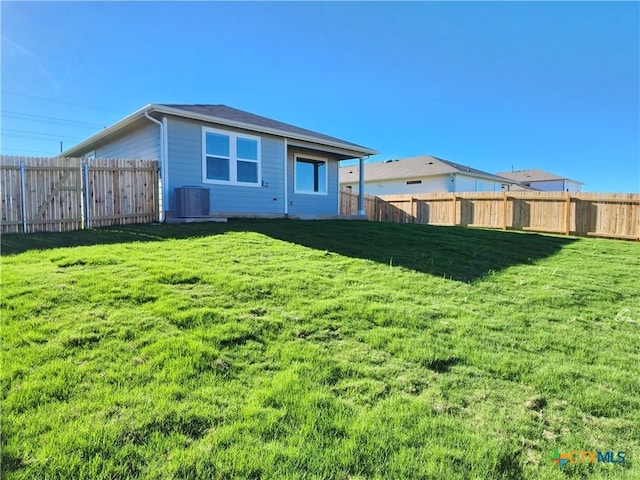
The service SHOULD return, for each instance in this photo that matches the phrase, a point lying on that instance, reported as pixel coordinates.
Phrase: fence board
(119, 191)
(613, 215)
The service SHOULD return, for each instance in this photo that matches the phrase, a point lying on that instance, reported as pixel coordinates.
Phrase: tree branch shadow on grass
(457, 253)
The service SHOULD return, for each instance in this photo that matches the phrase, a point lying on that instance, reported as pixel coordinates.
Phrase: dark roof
(235, 115)
(534, 175)
(223, 115)
(414, 167)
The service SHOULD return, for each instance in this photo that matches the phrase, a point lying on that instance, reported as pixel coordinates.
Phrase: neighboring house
(250, 164)
(545, 181)
(523, 188)
(424, 174)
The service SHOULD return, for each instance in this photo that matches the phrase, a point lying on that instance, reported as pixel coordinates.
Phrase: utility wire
(8, 150)
(44, 134)
(34, 138)
(62, 102)
(46, 119)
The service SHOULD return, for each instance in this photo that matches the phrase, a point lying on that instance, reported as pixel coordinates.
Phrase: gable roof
(534, 175)
(229, 113)
(413, 167)
(228, 116)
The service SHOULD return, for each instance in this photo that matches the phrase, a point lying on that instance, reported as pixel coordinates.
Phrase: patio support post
(163, 162)
(361, 189)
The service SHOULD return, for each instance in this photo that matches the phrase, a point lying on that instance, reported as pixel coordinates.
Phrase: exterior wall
(185, 169)
(465, 183)
(548, 186)
(557, 186)
(440, 183)
(572, 186)
(435, 184)
(312, 204)
(143, 143)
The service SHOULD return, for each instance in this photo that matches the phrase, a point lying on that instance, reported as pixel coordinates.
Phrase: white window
(311, 175)
(230, 158)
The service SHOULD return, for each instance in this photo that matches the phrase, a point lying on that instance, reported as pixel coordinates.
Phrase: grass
(307, 350)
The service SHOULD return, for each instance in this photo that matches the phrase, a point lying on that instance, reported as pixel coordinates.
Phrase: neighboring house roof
(414, 167)
(224, 115)
(534, 175)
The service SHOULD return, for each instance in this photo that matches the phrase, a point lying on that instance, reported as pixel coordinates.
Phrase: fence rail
(62, 194)
(614, 215)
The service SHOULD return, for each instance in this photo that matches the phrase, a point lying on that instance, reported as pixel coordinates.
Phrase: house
(250, 165)
(544, 181)
(423, 174)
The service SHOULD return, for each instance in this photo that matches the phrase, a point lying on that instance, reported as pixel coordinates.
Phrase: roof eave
(129, 119)
(554, 180)
(395, 179)
(358, 149)
(273, 131)
(488, 176)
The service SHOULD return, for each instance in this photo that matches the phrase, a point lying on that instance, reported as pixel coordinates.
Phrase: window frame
(325, 160)
(233, 158)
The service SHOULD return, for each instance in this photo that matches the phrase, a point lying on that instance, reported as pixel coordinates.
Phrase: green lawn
(307, 350)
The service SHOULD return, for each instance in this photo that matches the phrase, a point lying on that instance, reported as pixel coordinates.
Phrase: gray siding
(440, 183)
(465, 183)
(556, 185)
(185, 169)
(142, 142)
(304, 204)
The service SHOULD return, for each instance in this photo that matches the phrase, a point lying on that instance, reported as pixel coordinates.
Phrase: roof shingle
(235, 115)
(534, 175)
(413, 167)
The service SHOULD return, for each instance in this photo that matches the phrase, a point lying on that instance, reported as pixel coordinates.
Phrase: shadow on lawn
(457, 253)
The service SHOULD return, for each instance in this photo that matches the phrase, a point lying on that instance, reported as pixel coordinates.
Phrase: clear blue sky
(543, 85)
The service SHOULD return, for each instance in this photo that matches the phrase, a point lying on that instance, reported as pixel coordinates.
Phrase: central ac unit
(192, 202)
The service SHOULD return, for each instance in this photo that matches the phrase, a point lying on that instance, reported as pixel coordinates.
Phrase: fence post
(567, 214)
(23, 196)
(85, 190)
(504, 210)
(454, 212)
(156, 192)
(413, 215)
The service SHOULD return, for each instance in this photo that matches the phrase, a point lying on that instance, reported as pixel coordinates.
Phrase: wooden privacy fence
(615, 215)
(62, 194)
